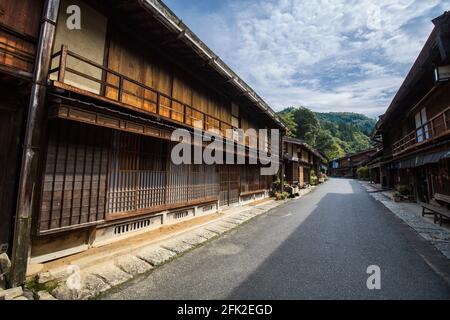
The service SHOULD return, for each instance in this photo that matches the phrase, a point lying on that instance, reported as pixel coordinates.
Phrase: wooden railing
(435, 128)
(121, 89)
(15, 57)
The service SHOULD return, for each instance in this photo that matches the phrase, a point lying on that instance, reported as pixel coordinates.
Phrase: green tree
(336, 133)
(307, 123)
(289, 120)
(363, 173)
(329, 145)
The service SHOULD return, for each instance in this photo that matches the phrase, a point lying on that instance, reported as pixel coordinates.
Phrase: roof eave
(173, 23)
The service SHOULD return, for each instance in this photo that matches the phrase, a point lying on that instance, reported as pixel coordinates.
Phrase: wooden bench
(440, 213)
(442, 198)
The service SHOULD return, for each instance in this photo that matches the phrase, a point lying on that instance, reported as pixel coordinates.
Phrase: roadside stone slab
(21, 298)
(91, 286)
(227, 225)
(239, 218)
(44, 277)
(28, 294)
(265, 207)
(268, 207)
(218, 230)
(205, 233)
(435, 236)
(133, 265)
(111, 274)
(177, 246)
(233, 221)
(10, 294)
(260, 211)
(193, 239)
(155, 255)
(444, 248)
(245, 217)
(52, 275)
(256, 212)
(248, 214)
(44, 295)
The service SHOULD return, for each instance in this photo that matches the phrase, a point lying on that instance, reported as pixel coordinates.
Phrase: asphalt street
(316, 247)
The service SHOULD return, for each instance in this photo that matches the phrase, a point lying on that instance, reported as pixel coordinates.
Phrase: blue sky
(328, 55)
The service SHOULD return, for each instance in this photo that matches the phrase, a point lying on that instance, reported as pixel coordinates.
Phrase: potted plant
(401, 193)
(397, 196)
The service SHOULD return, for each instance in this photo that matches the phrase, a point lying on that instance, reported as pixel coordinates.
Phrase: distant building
(347, 166)
(299, 160)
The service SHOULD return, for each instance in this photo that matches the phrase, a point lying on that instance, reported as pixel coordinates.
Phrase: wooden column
(282, 162)
(29, 175)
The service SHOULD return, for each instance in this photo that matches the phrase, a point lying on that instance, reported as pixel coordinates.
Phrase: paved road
(317, 247)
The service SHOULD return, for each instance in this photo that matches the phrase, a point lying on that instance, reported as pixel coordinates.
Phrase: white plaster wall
(88, 42)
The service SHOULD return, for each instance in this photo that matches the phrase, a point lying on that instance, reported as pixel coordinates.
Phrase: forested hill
(362, 122)
(336, 134)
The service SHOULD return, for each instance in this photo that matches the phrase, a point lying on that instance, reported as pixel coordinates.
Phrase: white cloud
(328, 55)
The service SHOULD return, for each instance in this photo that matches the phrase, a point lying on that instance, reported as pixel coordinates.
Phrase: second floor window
(422, 128)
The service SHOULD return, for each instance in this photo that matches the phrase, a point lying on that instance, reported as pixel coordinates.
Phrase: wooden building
(96, 117)
(415, 130)
(347, 166)
(374, 165)
(300, 159)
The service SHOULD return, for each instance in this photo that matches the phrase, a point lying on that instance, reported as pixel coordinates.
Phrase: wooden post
(445, 122)
(158, 100)
(432, 131)
(62, 64)
(29, 175)
(281, 162)
(120, 93)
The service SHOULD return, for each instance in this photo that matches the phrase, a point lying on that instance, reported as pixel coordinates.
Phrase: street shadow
(327, 255)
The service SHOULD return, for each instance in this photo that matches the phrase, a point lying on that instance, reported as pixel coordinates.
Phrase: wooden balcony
(436, 128)
(111, 86)
(16, 58)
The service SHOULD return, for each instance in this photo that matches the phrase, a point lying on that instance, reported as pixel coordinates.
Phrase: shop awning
(422, 160)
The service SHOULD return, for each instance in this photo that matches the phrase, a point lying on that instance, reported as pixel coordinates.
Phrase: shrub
(363, 173)
(402, 190)
(281, 196)
(285, 195)
(313, 178)
(276, 183)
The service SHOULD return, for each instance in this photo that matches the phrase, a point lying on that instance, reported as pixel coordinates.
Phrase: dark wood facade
(300, 159)
(347, 166)
(113, 100)
(416, 150)
(19, 31)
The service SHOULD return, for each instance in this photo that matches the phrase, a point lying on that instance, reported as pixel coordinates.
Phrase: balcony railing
(117, 88)
(13, 56)
(437, 127)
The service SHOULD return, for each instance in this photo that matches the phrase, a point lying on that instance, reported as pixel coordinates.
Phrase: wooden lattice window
(75, 180)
